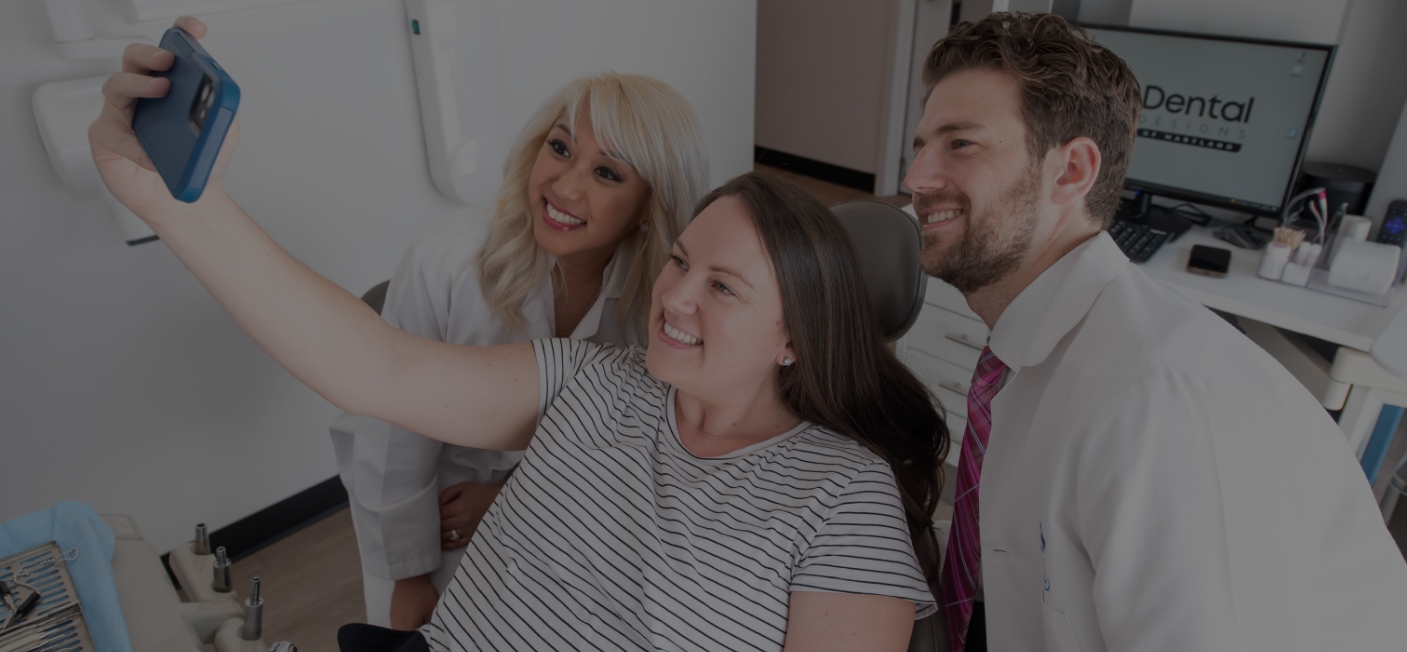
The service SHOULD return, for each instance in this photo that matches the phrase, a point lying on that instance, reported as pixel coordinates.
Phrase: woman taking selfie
(761, 476)
(598, 185)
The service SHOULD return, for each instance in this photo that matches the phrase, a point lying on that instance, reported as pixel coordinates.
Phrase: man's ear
(1078, 162)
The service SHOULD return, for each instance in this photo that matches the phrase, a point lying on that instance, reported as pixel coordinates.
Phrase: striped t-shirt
(611, 535)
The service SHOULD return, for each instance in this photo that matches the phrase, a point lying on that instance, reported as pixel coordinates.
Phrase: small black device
(1209, 261)
(1393, 231)
(1394, 227)
(1344, 184)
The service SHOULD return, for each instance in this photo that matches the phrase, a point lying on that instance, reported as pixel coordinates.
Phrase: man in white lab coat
(1148, 479)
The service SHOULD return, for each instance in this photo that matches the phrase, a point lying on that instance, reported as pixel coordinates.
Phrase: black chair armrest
(376, 296)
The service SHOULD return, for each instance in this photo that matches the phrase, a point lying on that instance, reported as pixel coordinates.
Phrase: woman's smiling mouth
(559, 219)
(678, 335)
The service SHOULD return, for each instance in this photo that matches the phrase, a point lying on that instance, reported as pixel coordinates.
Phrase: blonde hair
(652, 128)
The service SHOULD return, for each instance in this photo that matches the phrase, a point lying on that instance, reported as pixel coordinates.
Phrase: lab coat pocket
(1059, 633)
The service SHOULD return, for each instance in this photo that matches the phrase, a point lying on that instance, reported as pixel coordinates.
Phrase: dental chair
(887, 243)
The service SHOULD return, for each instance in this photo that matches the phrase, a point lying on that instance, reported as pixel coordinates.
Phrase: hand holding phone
(126, 168)
(182, 132)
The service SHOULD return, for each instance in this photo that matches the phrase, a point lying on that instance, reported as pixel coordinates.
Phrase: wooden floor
(311, 581)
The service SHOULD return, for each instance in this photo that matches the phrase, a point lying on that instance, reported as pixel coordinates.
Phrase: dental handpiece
(253, 615)
(221, 583)
(202, 540)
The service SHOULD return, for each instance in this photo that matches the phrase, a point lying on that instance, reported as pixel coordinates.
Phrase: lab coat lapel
(1050, 307)
(612, 287)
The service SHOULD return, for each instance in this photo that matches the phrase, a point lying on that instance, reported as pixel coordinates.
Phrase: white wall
(1105, 12)
(1392, 178)
(1367, 88)
(1315, 21)
(122, 384)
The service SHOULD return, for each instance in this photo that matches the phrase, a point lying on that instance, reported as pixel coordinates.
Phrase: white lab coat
(1155, 481)
(394, 476)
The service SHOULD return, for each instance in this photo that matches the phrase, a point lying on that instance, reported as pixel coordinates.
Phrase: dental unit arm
(156, 616)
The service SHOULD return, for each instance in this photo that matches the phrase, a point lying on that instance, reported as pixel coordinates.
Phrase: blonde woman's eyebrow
(567, 129)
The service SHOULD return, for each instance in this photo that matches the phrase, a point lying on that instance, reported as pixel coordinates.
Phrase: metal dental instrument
(21, 610)
(221, 583)
(34, 641)
(202, 540)
(5, 595)
(29, 643)
(253, 615)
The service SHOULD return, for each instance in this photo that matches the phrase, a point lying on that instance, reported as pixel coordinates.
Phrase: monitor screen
(1225, 121)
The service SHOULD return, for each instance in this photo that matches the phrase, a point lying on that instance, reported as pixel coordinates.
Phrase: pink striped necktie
(963, 563)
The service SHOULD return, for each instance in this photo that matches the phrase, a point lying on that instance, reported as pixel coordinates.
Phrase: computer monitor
(1225, 121)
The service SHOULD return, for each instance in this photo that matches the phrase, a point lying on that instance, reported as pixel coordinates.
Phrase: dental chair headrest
(887, 242)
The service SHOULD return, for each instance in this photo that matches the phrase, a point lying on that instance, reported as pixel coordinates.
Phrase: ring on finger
(105, 101)
(454, 534)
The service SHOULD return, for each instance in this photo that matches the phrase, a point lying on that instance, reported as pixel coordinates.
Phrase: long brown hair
(844, 377)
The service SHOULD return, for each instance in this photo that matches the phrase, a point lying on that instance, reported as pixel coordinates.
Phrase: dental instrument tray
(55, 621)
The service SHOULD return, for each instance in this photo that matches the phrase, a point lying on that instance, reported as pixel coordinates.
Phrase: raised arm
(484, 397)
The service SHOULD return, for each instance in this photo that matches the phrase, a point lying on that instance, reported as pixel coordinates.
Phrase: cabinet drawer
(946, 296)
(948, 336)
(941, 377)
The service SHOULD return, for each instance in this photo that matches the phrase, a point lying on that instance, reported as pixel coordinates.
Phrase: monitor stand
(1141, 209)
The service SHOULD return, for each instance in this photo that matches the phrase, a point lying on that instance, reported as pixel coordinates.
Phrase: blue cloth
(75, 525)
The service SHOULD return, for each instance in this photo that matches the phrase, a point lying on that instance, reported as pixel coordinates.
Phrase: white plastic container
(1364, 266)
(1296, 274)
(1273, 261)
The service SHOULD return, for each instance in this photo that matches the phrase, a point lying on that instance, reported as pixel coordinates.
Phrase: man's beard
(993, 244)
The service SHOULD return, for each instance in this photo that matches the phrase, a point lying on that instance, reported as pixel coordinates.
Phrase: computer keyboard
(1137, 240)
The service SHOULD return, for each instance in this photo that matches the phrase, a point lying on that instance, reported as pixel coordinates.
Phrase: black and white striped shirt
(611, 535)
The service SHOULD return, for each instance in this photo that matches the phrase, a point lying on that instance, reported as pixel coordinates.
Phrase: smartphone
(1209, 261)
(183, 131)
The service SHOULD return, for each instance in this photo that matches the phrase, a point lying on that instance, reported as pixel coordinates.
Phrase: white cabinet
(942, 349)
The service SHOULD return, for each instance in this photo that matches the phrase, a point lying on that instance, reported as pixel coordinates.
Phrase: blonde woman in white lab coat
(597, 187)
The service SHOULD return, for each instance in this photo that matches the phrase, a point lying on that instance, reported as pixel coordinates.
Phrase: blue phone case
(183, 131)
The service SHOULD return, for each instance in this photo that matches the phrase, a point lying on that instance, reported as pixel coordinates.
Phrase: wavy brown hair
(1070, 86)
(845, 378)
